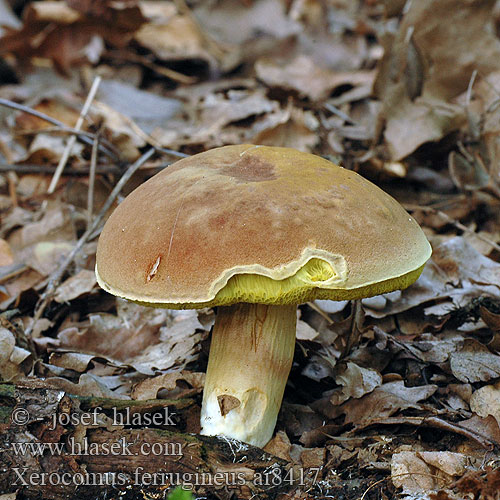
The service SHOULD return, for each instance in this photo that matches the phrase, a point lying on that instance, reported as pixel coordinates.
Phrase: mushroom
(255, 230)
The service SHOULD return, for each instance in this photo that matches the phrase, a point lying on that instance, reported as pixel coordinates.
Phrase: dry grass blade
(72, 139)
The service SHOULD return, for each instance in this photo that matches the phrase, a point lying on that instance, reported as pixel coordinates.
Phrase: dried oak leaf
(118, 337)
(486, 401)
(148, 339)
(235, 116)
(384, 401)
(88, 385)
(474, 362)
(483, 484)
(410, 472)
(79, 284)
(56, 31)
(428, 63)
(171, 35)
(356, 381)
(302, 75)
(11, 356)
(149, 388)
(305, 331)
(76, 361)
(280, 446)
(457, 272)
(6, 255)
(54, 107)
(424, 471)
(296, 128)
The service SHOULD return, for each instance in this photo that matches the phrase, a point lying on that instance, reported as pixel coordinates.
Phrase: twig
(47, 169)
(151, 141)
(72, 139)
(82, 136)
(144, 61)
(9, 272)
(433, 422)
(470, 86)
(322, 313)
(337, 112)
(58, 274)
(90, 194)
(456, 223)
(172, 152)
(11, 178)
(71, 131)
(376, 483)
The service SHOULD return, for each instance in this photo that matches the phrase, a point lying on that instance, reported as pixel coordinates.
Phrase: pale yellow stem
(250, 359)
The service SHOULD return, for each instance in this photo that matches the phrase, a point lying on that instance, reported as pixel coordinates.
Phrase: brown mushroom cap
(257, 224)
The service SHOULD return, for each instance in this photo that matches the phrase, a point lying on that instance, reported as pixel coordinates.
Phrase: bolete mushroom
(255, 230)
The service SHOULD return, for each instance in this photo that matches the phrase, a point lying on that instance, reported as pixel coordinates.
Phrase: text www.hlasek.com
(84, 448)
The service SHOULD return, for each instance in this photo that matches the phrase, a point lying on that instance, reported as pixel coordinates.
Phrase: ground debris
(395, 396)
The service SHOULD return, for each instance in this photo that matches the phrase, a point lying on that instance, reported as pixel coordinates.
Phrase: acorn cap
(257, 224)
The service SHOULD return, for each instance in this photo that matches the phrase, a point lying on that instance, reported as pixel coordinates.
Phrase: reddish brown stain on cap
(249, 168)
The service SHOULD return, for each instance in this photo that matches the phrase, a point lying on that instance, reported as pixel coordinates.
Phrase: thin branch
(82, 136)
(469, 87)
(172, 152)
(432, 422)
(9, 272)
(67, 131)
(90, 194)
(144, 61)
(456, 223)
(58, 274)
(151, 141)
(337, 112)
(72, 139)
(47, 169)
(105, 146)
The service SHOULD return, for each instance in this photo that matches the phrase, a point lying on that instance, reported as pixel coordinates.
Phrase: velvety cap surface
(257, 224)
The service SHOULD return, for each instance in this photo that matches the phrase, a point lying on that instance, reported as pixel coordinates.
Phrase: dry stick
(320, 311)
(46, 169)
(135, 58)
(90, 194)
(171, 152)
(151, 140)
(58, 274)
(432, 422)
(456, 223)
(337, 112)
(11, 179)
(469, 87)
(82, 136)
(87, 137)
(72, 139)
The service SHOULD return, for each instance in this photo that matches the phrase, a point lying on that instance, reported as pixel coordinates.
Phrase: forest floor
(396, 396)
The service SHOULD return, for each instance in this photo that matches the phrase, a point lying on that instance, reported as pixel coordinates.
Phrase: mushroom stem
(250, 358)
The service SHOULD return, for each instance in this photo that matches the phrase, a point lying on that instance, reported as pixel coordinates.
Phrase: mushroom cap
(257, 224)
